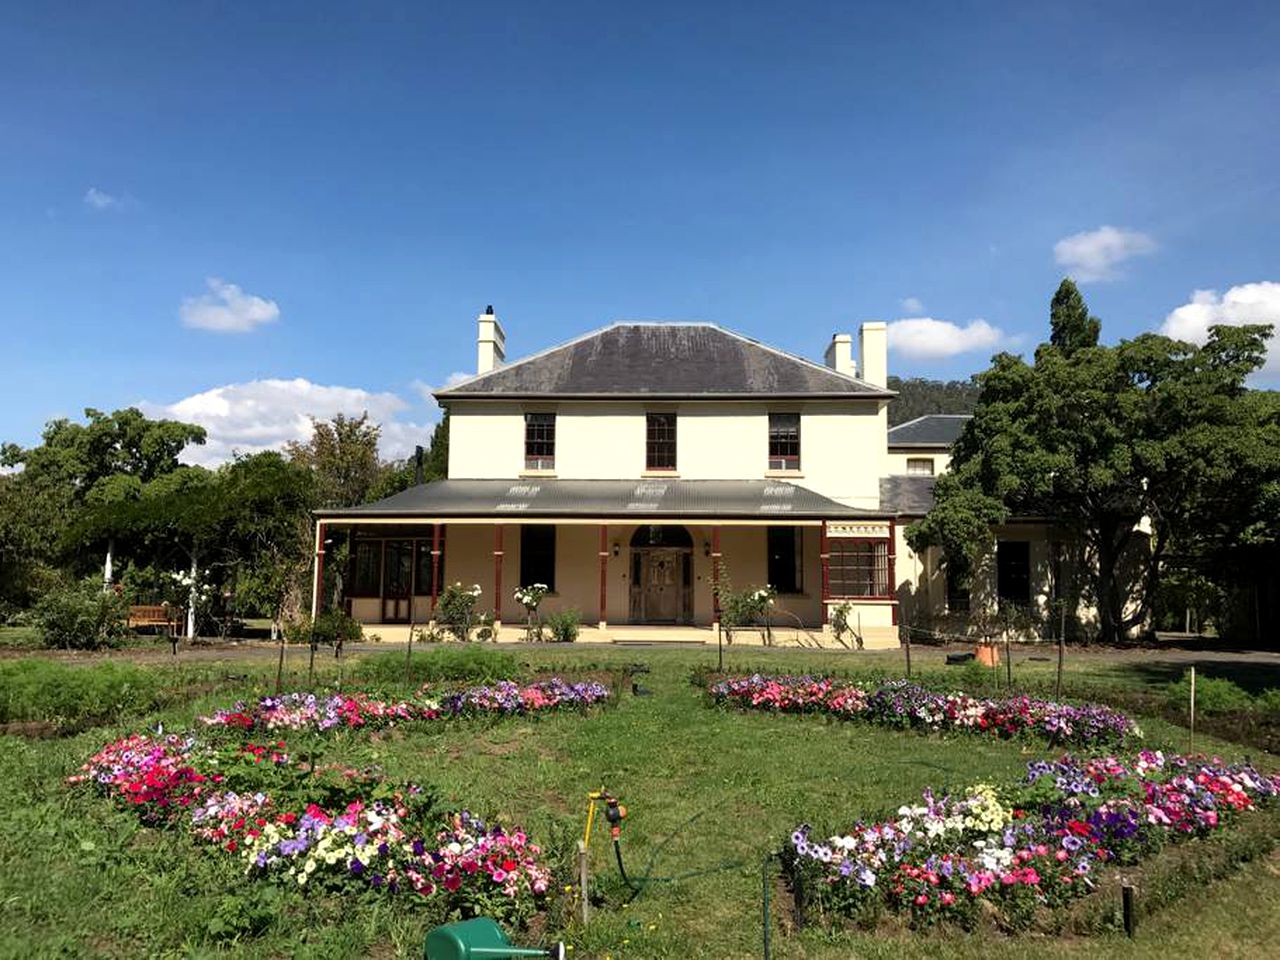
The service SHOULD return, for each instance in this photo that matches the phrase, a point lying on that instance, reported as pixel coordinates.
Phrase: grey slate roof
(931, 430)
(662, 360)
(906, 496)
(747, 499)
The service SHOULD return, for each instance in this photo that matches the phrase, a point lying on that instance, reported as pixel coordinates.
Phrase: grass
(708, 791)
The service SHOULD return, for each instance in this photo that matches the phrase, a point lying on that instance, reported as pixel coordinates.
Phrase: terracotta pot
(987, 654)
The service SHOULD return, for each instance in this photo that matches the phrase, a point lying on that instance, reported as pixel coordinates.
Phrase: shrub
(81, 617)
(563, 625)
(1213, 695)
(456, 610)
(331, 627)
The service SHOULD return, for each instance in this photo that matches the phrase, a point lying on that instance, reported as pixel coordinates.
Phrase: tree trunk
(191, 599)
(108, 569)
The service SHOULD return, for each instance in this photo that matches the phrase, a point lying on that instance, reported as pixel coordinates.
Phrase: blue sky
(353, 183)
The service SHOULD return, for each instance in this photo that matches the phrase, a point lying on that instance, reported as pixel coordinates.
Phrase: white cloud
(1097, 254)
(101, 200)
(912, 305)
(925, 338)
(425, 390)
(267, 414)
(227, 309)
(1246, 303)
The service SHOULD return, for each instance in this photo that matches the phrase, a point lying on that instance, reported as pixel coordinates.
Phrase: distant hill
(918, 396)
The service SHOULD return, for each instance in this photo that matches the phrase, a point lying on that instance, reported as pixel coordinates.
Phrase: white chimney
(839, 354)
(873, 346)
(491, 342)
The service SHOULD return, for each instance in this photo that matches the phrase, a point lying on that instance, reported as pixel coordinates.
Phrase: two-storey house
(641, 469)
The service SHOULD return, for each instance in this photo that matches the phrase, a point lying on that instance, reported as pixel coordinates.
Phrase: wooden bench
(153, 616)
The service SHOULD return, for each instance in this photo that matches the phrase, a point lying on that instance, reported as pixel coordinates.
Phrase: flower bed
(338, 711)
(250, 801)
(1008, 853)
(901, 703)
(329, 827)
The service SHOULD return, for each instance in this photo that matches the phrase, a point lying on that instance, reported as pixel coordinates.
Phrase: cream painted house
(642, 468)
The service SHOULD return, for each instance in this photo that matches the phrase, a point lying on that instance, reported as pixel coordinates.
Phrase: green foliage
(342, 454)
(442, 663)
(1098, 439)
(563, 625)
(1071, 328)
(330, 627)
(918, 397)
(70, 697)
(81, 616)
(1213, 695)
(743, 608)
(456, 610)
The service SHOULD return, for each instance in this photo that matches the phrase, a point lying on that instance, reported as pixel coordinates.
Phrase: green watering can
(480, 938)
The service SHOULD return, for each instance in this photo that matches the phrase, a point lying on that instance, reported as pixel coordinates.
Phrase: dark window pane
(539, 441)
(538, 555)
(957, 593)
(784, 547)
(784, 441)
(859, 568)
(366, 577)
(1013, 572)
(660, 441)
(397, 561)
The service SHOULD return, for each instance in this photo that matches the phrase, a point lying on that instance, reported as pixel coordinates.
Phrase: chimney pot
(491, 342)
(839, 355)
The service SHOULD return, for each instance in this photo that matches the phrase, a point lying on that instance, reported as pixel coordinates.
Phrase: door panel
(397, 581)
(663, 589)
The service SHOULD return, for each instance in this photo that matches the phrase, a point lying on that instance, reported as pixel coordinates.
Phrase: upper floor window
(784, 441)
(920, 466)
(539, 441)
(660, 441)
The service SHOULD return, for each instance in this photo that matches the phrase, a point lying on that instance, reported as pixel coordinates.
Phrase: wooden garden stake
(583, 881)
(1126, 907)
(906, 635)
(1062, 647)
(1192, 746)
(1008, 661)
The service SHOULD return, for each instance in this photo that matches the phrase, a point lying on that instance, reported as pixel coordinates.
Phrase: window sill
(537, 473)
(671, 474)
(784, 474)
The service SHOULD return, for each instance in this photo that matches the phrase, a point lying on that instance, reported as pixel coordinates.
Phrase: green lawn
(708, 793)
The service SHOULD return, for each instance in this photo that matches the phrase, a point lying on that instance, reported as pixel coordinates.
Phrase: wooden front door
(397, 581)
(663, 590)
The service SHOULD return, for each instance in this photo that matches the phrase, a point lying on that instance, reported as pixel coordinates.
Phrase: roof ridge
(805, 360)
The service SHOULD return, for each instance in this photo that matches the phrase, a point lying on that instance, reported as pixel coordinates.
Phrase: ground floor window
(387, 567)
(859, 568)
(1013, 572)
(366, 572)
(538, 555)
(957, 592)
(785, 547)
(424, 569)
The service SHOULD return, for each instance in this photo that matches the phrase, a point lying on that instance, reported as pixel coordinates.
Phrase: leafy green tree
(918, 397)
(1128, 450)
(78, 466)
(343, 455)
(1071, 328)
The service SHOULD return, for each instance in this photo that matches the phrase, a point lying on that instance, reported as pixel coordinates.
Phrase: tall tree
(1071, 328)
(1126, 449)
(343, 455)
(109, 459)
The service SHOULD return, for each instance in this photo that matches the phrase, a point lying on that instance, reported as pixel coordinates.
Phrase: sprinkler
(477, 939)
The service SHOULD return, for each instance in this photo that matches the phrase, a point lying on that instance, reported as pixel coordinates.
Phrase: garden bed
(1017, 857)
(245, 791)
(903, 704)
